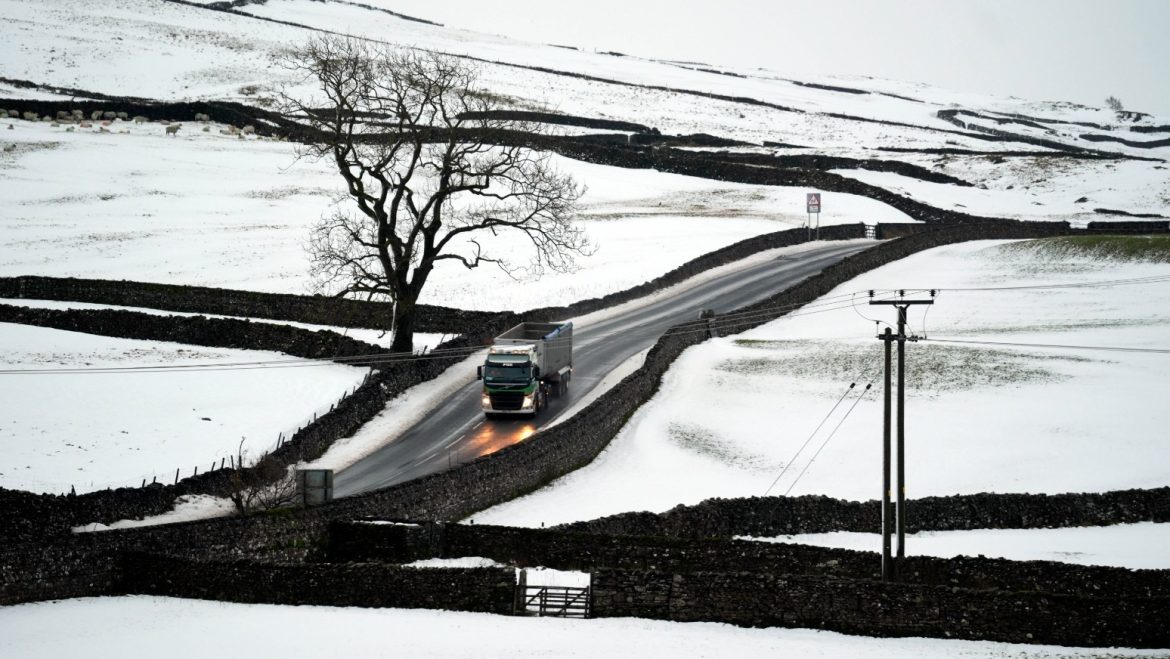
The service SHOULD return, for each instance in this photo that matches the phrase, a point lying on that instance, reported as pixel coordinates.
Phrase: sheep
(78, 114)
(47, 118)
(69, 129)
(207, 129)
(103, 129)
(124, 116)
(140, 119)
(96, 115)
(249, 130)
(30, 116)
(62, 115)
(85, 124)
(199, 116)
(55, 124)
(173, 129)
(3, 114)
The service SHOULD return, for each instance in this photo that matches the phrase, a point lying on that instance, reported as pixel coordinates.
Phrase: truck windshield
(513, 371)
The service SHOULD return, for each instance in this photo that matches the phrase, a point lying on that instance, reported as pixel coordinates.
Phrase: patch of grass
(931, 369)
(1064, 326)
(1145, 249)
(703, 441)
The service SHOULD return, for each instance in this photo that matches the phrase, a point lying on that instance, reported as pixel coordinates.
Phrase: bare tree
(1114, 104)
(264, 486)
(413, 139)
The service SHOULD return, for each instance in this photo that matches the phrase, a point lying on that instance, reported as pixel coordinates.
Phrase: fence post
(176, 475)
(518, 605)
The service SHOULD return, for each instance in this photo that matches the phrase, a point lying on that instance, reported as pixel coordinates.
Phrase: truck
(525, 366)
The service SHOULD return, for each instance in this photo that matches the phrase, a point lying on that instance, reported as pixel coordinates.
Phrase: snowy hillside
(166, 50)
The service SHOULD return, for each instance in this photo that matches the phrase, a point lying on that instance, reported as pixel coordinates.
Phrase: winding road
(457, 432)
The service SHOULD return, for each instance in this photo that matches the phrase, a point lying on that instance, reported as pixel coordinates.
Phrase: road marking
(455, 441)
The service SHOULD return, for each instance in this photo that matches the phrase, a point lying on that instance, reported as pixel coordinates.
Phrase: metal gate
(551, 601)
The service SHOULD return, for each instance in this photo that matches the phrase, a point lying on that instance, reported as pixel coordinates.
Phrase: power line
(1053, 345)
(814, 432)
(825, 443)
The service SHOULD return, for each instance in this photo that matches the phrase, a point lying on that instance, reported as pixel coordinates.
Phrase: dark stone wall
(765, 584)
(771, 516)
(823, 162)
(233, 333)
(874, 609)
(566, 550)
(1136, 144)
(265, 122)
(557, 119)
(314, 309)
(486, 590)
(1125, 226)
(87, 564)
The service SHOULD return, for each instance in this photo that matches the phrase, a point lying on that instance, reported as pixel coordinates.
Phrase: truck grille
(507, 400)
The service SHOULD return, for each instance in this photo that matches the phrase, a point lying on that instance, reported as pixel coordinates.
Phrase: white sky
(1073, 50)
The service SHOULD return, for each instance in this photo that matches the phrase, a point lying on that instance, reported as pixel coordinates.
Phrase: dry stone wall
(485, 590)
(766, 584)
(758, 599)
(566, 550)
(772, 516)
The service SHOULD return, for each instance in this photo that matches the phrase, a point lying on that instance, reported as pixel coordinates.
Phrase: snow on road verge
(400, 413)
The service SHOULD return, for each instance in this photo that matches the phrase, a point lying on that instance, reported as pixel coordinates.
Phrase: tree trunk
(404, 328)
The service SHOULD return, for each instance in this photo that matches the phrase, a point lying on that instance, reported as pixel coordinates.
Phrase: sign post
(813, 205)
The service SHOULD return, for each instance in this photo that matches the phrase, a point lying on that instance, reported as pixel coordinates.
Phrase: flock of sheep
(105, 119)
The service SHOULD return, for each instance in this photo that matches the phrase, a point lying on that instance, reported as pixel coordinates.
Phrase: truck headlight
(528, 399)
(485, 401)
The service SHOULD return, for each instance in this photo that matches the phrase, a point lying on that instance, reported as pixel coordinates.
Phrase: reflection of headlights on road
(528, 401)
(486, 401)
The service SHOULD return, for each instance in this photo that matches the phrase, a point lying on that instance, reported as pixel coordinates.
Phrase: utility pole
(902, 305)
(888, 338)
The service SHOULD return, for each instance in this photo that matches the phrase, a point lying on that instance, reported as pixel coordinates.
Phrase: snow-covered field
(205, 209)
(96, 430)
(732, 412)
(176, 628)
